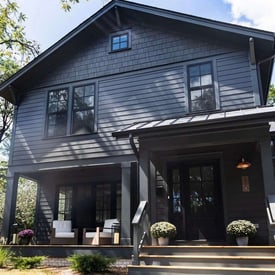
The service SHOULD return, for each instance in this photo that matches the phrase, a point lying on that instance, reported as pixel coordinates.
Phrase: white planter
(242, 241)
(163, 241)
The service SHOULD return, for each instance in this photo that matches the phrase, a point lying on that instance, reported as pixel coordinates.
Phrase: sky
(47, 23)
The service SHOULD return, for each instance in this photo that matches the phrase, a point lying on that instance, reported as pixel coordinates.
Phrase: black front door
(195, 200)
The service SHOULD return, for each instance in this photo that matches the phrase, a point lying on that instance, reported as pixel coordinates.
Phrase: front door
(195, 200)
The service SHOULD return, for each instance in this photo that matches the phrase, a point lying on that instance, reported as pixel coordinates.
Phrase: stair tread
(207, 257)
(265, 269)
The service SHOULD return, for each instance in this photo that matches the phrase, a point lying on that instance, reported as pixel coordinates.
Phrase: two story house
(143, 104)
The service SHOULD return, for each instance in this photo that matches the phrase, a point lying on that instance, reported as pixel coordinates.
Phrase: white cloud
(253, 13)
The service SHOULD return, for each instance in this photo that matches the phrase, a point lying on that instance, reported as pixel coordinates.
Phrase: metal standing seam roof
(263, 113)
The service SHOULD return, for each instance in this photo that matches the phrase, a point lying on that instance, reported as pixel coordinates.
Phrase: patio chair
(101, 237)
(62, 233)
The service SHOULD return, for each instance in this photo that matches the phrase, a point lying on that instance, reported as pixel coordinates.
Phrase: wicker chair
(101, 237)
(62, 233)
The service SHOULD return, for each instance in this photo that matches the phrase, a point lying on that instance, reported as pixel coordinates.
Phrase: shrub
(27, 262)
(163, 229)
(241, 228)
(90, 263)
(5, 256)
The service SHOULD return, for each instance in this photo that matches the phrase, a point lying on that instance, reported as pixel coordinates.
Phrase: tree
(15, 51)
(271, 94)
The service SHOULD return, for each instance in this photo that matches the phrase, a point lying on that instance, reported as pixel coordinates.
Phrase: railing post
(140, 227)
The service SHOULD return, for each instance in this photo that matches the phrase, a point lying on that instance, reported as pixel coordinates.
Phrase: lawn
(57, 270)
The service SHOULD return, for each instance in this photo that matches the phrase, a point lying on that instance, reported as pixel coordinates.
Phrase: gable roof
(263, 41)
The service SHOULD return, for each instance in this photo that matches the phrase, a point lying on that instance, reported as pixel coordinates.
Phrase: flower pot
(163, 241)
(25, 241)
(242, 241)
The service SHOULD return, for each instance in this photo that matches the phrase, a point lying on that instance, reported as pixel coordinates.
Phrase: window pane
(83, 110)
(202, 97)
(205, 69)
(194, 71)
(195, 82)
(206, 80)
(57, 112)
(65, 203)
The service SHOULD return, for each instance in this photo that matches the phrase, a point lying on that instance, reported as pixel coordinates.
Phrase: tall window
(65, 199)
(201, 87)
(108, 201)
(71, 111)
(273, 153)
(83, 109)
(57, 112)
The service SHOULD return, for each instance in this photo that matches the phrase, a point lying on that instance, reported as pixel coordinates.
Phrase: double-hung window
(83, 109)
(201, 87)
(71, 111)
(57, 112)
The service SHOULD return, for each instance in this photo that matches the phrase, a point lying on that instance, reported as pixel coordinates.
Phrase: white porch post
(10, 204)
(125, 203)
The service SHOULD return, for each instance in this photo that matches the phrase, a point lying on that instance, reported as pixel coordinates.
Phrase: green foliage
(5, 256)
(271, 94)
(25, 204)
(163, 229)
(241, 228)
(90, 263)
(27, 262)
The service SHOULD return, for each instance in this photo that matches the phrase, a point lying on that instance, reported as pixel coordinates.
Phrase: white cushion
(64, 235)
(62, 226)
(108, 225)
(101, 234)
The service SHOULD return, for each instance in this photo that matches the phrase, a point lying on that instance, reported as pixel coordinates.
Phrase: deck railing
(141, 235)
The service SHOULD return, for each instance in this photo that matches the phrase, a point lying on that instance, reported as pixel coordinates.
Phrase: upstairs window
(71, 111)
(83, 109)
(57, 112)
(120, 41)
(201, 87)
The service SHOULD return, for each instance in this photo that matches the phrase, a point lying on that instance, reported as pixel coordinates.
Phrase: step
(164, 270)
(210, 250)
(208, 260)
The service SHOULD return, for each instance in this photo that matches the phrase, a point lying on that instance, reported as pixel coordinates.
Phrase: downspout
(133, 146)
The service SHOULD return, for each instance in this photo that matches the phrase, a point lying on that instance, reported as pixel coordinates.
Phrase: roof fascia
(57, 45)
(196, 20)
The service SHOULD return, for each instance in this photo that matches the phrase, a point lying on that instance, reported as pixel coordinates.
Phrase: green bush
(5, 256)
(90, 263)
(27, 262)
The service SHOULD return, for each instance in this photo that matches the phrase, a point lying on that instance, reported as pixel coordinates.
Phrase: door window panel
(65, 197)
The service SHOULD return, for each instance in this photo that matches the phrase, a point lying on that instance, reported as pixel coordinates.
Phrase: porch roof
(195, 122)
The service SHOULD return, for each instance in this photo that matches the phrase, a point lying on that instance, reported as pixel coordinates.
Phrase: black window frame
(57, 112)
(201, 87)
(69, 131)
(120, 43)
(67, 215)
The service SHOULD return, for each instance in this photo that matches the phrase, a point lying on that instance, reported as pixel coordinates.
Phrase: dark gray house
(144, 104)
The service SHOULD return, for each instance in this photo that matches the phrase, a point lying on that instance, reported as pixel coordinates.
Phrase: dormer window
(120, 41)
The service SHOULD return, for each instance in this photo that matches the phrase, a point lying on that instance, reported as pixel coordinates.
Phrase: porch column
(125, 237)
(144, 175)
(10, 204)
(267, 167)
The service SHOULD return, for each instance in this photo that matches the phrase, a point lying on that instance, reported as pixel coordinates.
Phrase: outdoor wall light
(243, 164)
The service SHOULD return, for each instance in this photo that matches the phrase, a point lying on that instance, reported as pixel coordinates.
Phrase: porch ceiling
(217, 120)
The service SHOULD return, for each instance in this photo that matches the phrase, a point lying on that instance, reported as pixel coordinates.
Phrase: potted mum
(163, 231)
(241, 230)
(25, 236)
